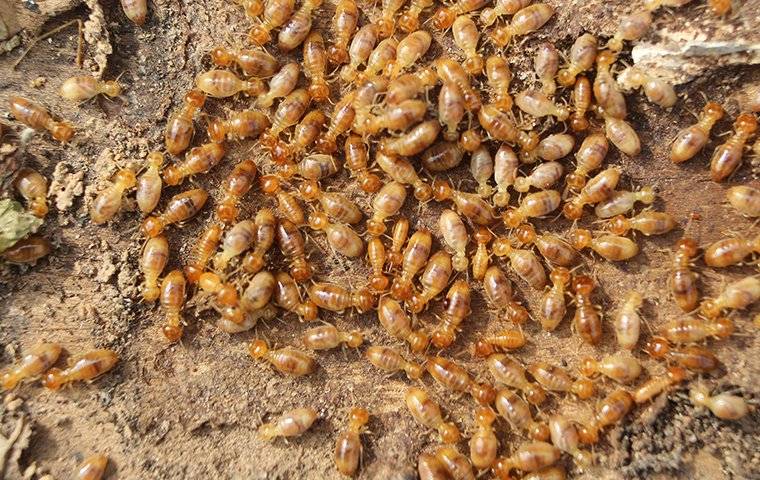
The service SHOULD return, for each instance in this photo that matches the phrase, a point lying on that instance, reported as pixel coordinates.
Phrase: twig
(50, 33)
(6, 444)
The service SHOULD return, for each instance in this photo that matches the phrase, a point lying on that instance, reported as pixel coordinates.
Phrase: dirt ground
(192, 410)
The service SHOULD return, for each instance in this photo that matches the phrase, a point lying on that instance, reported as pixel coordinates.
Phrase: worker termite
(737, 295)
(553, 304)
(340, 122)
(587, 321)
(304, 135)
(481, 257)
(525, 21)
(361, 48)
(390, 360)
(386, 203)
(444, 17)
(343, 25)
(399, 169)
(466, 36)
(414, 141)
(726, 157)
(223, 83)
(340, 237)
(533, 205)
(455, 237)
(455, 378)
(581, 104)
(415, 256)
(456, 464)
(498, 123)
(27, 250)
(172, 300)
(410, 85)
(631, 28)
(34, 362)
(528, 458)
(517, 412)
(523, 262)
(628, 322)
(94, 466)
(409, 20)
(237, 184)
(542, 177)
(723, 405)
(327, 336)
(335, 298)
(507, 371)
(376, 256)
(646, 222)
(589, 157)
(426, 412)
(690, 357)
(690, 330)
(483, 443)
(428, 466)
(622, 135)
(280, 85)
(745, 199)
(564, 436)
(505, 173)
(314, 65)
(253, 63)
(335, 205)
(450, 110)
(609, 411)
(288, 113)
(450, 71)
(396, 322)
(498, 293)
(312, 167)
(442, 156)
(554, 249)
(290, 424)
(682, 280)
(399, 236)
(621, 367)
(596, 190)
(657, 90)
(294, 32)
(481, 168)
(552, 147)
(287, 203)
(79, 89)
(288, 360)
(434, 279)
(545, 63)
(611, 247)
(691, 140)
(258, 292)
(620, 202)
(266, 225)
(149, 184)
(468, 204)
(154, 258)
(606, 92)
(386, 25)
(370, 88)
(36, 117)
(505, 339)
(291, 243)
(499, 78)
(348, 446)
(488, 16)
(581, 59)
(554, 378)
(179, 129)
(657, 384)
(731, 250)
(198, 160)
(287, 296)
(81, 368)
(108, 202)
(33, 187)
(237, 240)
(275, 14)
(457, 309)
(356, 157)
(136, 11)
(225, 295)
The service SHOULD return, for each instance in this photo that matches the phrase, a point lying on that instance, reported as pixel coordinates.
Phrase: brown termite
(731, 250)
(225, 294)
(545, 64)
(33, 187)
(444, 17)
(150, 184)
(433, 279)
(442, 156)
(286, 201)
(523, 262)
(533, 205)
(628, 321)
(396, 322)
(348, 446)
(291, 243)
(386, 203)
(553, 304)
(376, 256)
(499, 78)
(581, 59)
(36, 117)
(647, 222)
(428, 466)
(252, 62)
(295, 31)
(327, 336)
(399, 236)
(722, 405)
(314, 66)
(361, 48)
(266, 225)
(466, 36)
(81, 368)
(287, 296)
(542, 177)
(691, 140)
(657, 90)
(172, 300)
(537, 104)
(426, 412)
(275, 14)
(525, 21)
(386, 25)
(682, 280)
(556, 379)
(450, 110)
(449, 70)
(550, 148)
(340, 122)
(409, 21)
(481, 168)
(136, 11)
(554, 249)
(399, 169)
(581, 104)
(236, 185)
(409, 85)
(507, 371)
(288, 113)
(505, 173)
(108, 202)
(508, 339)
(179, 129)
(498, 123)
(530, 457)
(471, 139)
(280, 85)
(390, 360)
(737, 295)
(27, 250)
(336, 298)
(336, 205)
(587, 320)
(745, 199)
(691, 330)
(611, 247)
(690, 357)
(596, 190)
(564, 436)
(288, 360)
(481, 258)
(198, 160)
(457, 309)
(609, 411)
(258, 292)
(223, 84)
(606, 92)
(80, 89)
(622, 135)
(154, 258)
(94, 466)
(631, 28)
(456, 464)
(657, 384)
(455, 237)
(468, 204)
(290, 424)
(483, 443)
(343, 25)
(304, 136)
(414, 141)
(340, 237)
(727, 156)
(620, 202)
(415, 257)
(488, 16)
(621, 367)
(237, 240)
(498, 293)
(34, 361)
(517, 412)
(455, 378)
(589, 157)
(371, 85)
(313, 167)
(356, 158)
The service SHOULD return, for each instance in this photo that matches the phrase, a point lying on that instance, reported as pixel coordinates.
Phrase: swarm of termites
(542, 206)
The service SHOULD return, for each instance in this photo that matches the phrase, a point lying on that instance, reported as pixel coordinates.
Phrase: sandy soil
(192, 410)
